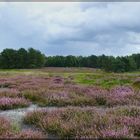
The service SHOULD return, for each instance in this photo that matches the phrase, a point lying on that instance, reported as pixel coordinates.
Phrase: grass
(104, 80)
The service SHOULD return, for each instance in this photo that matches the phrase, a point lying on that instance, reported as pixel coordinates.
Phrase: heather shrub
(57, 98)
(60, 122)
(63, 98)
(136, 84)
(5, 85)
(58, 80)
(133, 123)
(101, 100)
(9, 103)
(96, 95)
(55, 102)
(82, 101)
(51, 125)
(53, 92)
(77, 122)
(76, 113)
(116, 134)
(11, 131)
(121, 95)
(9, 92)
(6, 129)
(59, 126)
(72, 122)
(131, 111)
(127, 116)
(88, 133)
(34, 117)
(30, 134)
(5, 126)
(34, 96)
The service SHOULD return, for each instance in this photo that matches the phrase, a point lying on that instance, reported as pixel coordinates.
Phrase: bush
(30, 134)
(9, 103)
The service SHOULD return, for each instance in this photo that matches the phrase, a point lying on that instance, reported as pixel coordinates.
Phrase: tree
(92, 61)
(101, 61)
(132, 64)
(70, 61)
(9, 58)
(136, 58)
(109, 63)
(35, 58)
(22, 56)
(118, 65)
(31, 58)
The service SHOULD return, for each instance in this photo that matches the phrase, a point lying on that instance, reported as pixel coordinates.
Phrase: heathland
(69, 103)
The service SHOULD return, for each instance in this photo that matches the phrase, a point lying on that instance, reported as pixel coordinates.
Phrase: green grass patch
(107, 80)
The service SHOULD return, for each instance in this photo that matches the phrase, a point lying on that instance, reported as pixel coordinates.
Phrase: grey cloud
(78, 28)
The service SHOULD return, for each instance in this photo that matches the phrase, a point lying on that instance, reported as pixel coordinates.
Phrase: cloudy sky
(71, 28)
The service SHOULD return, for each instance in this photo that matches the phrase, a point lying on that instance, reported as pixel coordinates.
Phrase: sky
(71, 28)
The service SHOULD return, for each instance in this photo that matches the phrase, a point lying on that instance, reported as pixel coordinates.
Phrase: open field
(69, 103)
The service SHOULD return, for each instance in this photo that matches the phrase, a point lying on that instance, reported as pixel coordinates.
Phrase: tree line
(107, 63)
(31, 58)
(21, 58)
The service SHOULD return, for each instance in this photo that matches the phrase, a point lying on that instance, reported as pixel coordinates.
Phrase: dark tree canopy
(107, 63)
(22, 56)
(31, 58)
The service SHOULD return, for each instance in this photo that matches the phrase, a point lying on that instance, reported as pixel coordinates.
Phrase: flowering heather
(9, 103)
(132, 123)
(60, 98)
(58, 80)
(100, 95)
(5, 128)
(9, 92)
(35, 116)
(69, 122)
(122, 133)
(122, 91)
(82, 95)
(122, 95)
(26, 134)
(31, 82)
(23, 82)
(76, 122)
(60, 95)
(130, 111)
(6, 131)
(90, 109)
(66, 122)
(117, 96)
(56, 92)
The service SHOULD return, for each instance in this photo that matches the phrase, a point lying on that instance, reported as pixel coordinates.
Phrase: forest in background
(32, 58)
